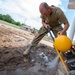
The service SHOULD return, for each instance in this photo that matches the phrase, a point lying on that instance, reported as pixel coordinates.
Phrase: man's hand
(45, 24)
(66, 26)
(60, 33)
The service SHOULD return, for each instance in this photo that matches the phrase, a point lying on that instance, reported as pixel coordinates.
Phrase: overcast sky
(27, 11)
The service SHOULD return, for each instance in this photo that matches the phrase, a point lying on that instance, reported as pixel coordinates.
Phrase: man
(52, 17)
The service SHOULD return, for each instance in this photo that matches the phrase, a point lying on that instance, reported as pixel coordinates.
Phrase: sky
(27, 11)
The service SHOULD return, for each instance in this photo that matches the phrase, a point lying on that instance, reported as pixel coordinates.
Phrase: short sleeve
(61, 16)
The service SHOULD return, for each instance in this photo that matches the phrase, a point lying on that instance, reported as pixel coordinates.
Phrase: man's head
(45, 9)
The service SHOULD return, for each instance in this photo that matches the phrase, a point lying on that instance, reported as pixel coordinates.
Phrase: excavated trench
(42, 60)
(38, 62)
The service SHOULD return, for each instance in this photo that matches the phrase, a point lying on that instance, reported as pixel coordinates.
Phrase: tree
(1, 16)
(9, 19)
(18, 23)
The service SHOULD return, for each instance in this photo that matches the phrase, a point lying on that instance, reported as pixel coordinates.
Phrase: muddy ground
(13, 42)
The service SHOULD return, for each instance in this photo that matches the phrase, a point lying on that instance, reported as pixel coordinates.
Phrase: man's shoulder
(58, 9)
(55, 7)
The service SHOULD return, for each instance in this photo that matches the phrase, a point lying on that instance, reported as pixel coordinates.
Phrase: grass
(9, 24)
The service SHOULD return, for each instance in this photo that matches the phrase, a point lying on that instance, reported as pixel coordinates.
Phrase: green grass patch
(9, 24)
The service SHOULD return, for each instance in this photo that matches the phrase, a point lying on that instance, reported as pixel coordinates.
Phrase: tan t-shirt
(56, 18)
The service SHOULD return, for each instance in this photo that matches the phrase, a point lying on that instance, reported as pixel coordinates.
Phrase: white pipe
(72, 29)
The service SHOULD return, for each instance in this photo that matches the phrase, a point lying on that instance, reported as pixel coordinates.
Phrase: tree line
(9, 19)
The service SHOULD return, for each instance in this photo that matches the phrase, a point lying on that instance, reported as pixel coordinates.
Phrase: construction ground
(13, 42)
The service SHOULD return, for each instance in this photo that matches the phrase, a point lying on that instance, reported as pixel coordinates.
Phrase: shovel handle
(50, 29)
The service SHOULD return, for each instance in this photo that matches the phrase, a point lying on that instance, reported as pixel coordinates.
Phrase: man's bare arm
(45, 24)
(66, 26)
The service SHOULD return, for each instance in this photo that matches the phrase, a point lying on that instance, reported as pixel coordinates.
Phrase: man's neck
(51, 8)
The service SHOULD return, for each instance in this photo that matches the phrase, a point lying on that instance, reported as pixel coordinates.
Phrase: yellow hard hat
(62, 43)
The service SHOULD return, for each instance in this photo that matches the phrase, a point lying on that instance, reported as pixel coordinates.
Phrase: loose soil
(13, 42)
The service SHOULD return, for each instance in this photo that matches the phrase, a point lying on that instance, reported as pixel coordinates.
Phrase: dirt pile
(13, 42)
(12, 59)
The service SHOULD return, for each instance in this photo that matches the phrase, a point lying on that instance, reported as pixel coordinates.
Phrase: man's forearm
(45, 25)
(66, 26)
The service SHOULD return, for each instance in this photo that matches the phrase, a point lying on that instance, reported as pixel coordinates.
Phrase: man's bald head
(44, 9)
(43, 5)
